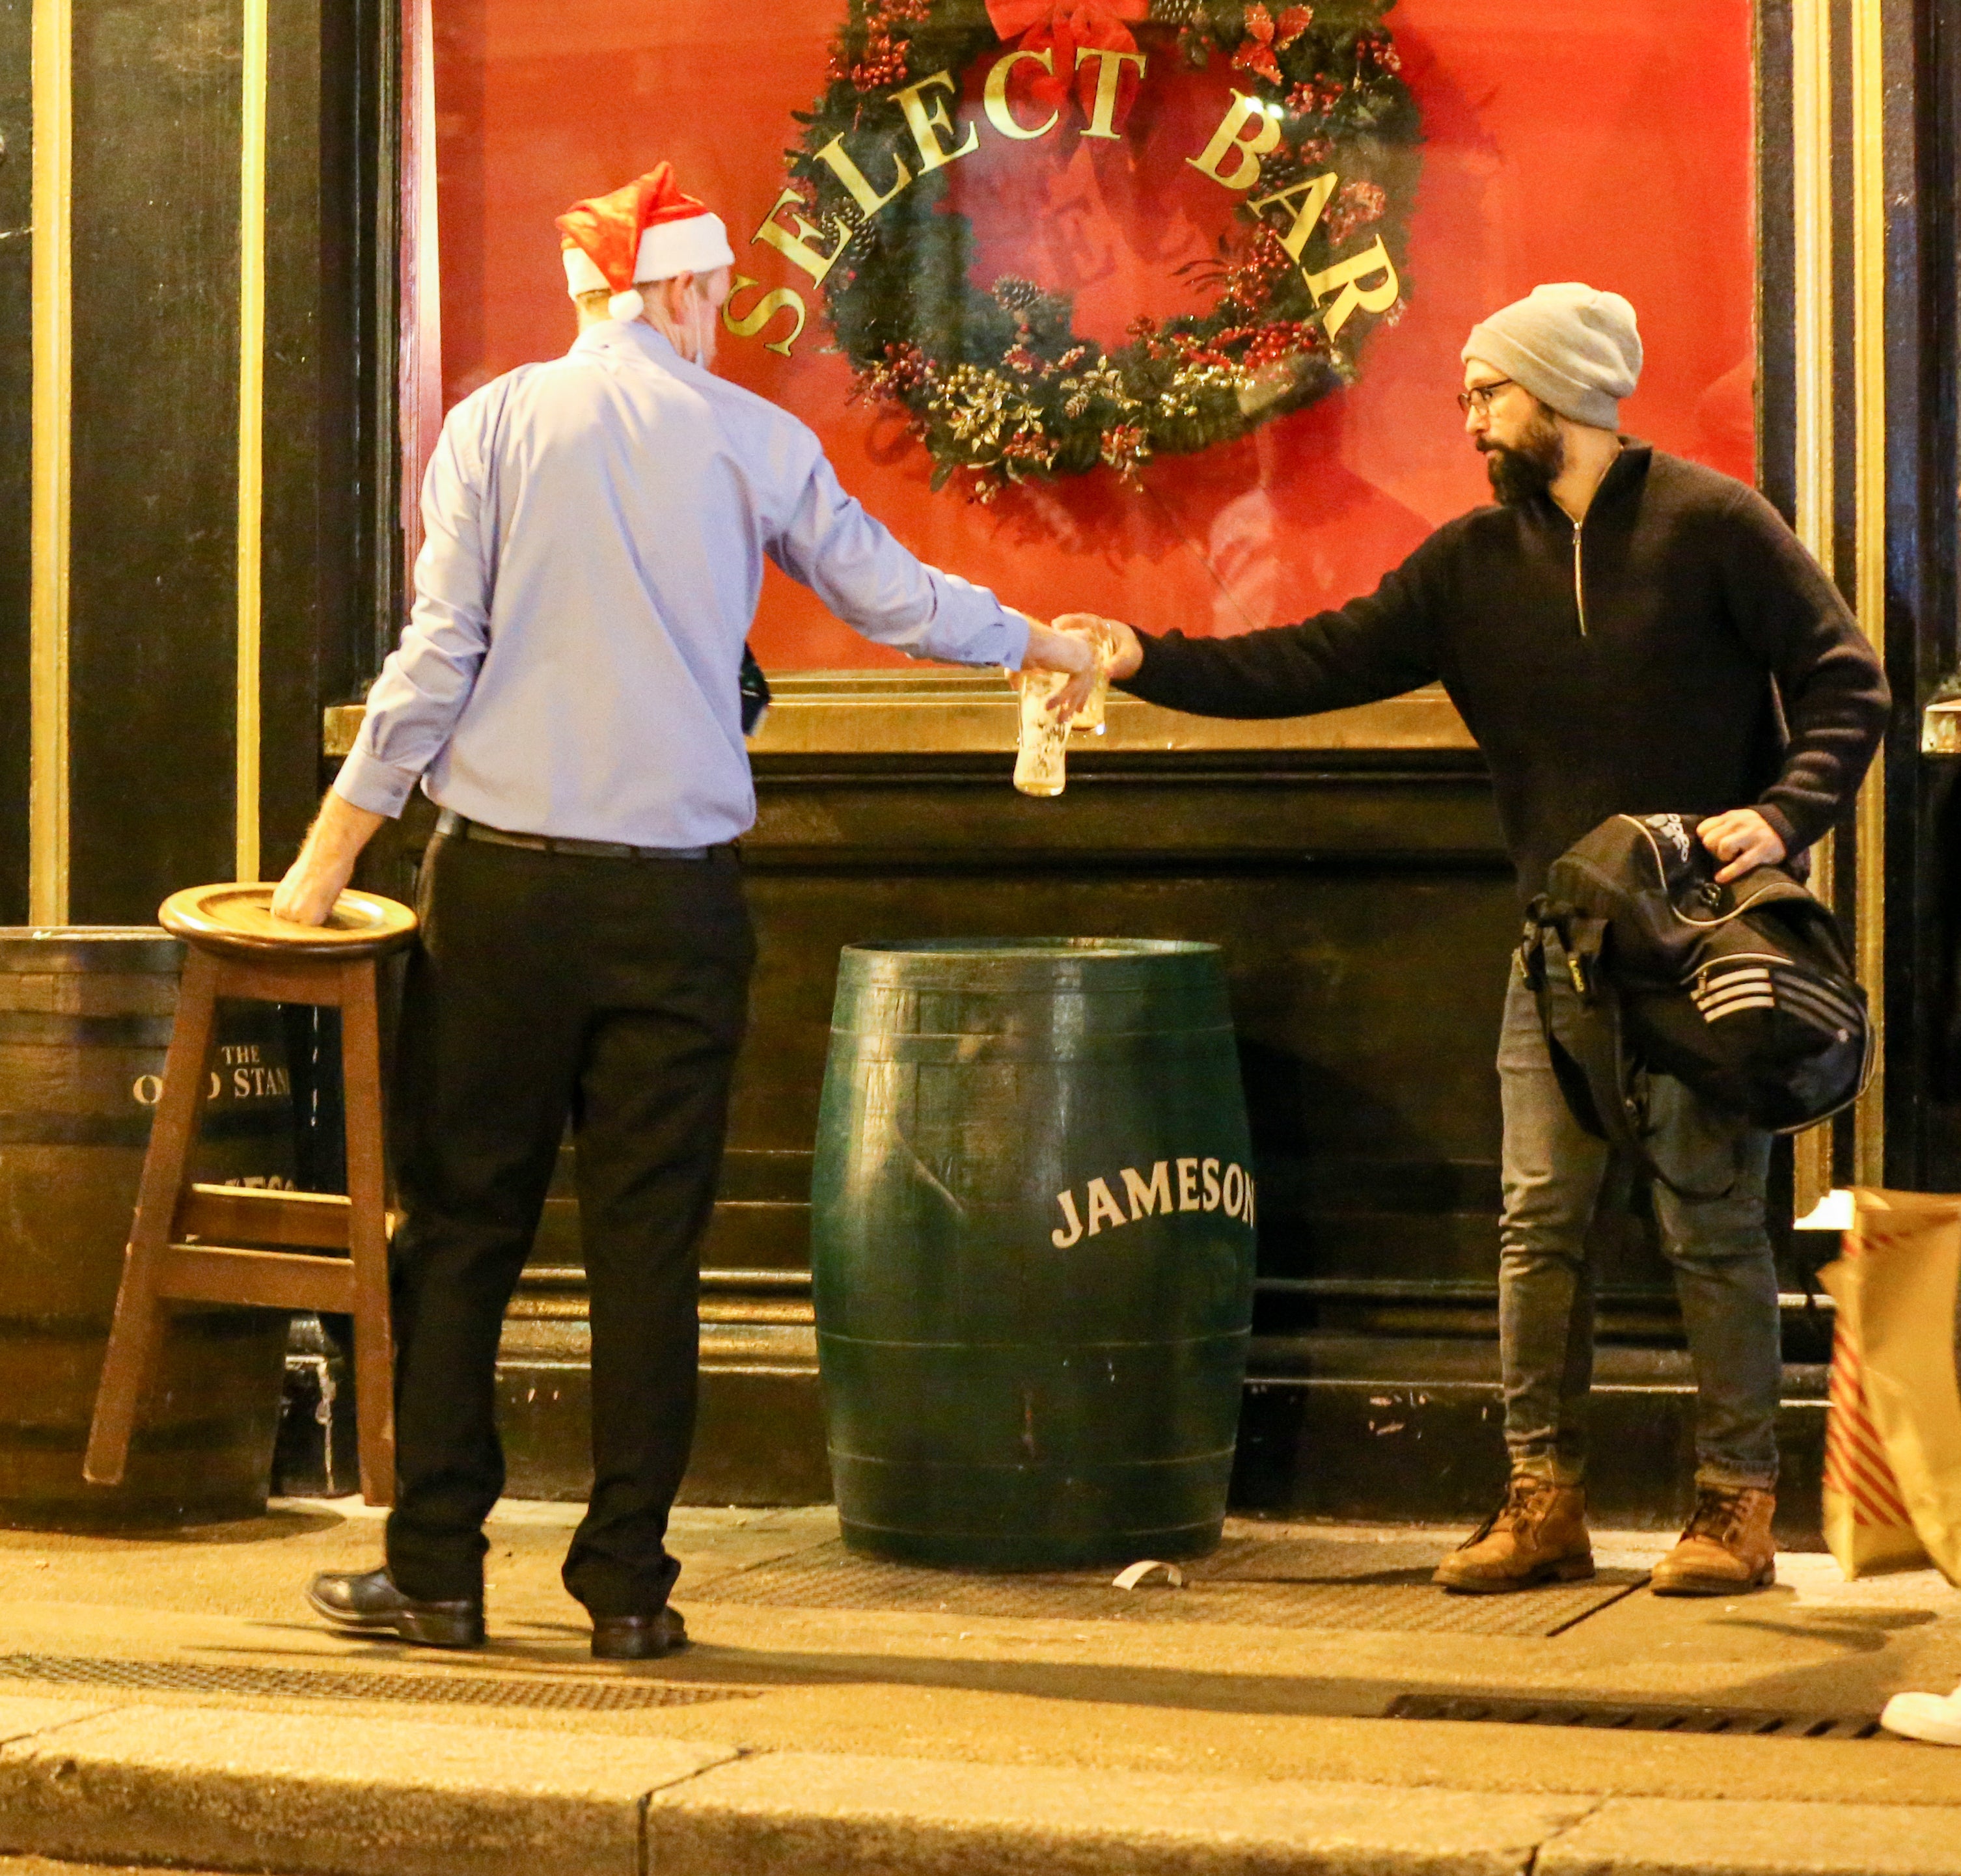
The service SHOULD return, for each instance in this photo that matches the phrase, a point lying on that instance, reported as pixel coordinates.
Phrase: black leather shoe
(637, 1638)
(366, 1602)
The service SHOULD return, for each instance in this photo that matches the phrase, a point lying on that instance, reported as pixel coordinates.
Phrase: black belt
(453, 826)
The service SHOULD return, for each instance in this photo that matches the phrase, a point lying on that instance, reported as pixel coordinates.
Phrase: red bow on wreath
(1264, 38)
(1063, 26)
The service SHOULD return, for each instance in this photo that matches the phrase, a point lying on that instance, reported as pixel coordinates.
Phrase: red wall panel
(1610, 144)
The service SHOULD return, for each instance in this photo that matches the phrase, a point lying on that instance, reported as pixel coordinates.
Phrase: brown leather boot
(1726, 1549)
(1538, 1535)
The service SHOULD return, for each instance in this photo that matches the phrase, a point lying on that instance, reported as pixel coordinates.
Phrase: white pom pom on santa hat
(647, 231)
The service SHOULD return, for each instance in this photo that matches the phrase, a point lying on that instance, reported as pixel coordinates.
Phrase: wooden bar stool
(202, 1243)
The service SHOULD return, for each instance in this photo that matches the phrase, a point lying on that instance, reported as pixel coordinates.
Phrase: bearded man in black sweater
(1625, 631)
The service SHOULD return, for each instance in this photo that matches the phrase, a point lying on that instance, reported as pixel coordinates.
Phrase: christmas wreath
(994, 382)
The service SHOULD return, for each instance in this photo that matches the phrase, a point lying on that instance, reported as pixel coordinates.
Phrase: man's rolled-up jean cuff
(1727, 1478)
(1549, 1468)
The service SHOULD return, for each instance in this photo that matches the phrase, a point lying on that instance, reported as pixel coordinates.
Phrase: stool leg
(135, 1336)
(368, 1230)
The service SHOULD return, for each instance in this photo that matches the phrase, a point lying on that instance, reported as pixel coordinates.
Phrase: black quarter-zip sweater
(1678, 651)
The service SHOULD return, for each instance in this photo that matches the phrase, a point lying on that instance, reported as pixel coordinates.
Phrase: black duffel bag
(1745, 993)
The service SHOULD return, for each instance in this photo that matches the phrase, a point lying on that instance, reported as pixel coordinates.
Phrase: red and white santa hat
(648, 231)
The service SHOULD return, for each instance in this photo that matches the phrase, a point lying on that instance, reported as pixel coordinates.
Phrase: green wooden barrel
(85, 1016)
(1032, 1242)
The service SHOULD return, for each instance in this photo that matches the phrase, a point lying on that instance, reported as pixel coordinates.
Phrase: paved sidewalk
(170, 1700)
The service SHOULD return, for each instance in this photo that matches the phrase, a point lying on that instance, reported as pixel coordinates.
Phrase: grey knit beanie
(1572, 347)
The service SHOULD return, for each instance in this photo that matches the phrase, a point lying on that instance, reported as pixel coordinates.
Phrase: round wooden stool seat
(236, 918)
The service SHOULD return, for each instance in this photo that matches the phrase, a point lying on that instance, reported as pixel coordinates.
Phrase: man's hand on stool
(325, 862)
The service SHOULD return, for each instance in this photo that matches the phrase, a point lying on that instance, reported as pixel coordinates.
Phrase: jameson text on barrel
(1201, 1186)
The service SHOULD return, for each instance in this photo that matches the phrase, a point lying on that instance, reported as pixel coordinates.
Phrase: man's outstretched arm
(1377, 646)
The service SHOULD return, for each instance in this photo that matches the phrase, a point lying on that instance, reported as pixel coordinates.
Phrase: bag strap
(1563, 963)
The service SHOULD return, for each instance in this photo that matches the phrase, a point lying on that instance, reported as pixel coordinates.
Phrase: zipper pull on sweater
(1579, 579)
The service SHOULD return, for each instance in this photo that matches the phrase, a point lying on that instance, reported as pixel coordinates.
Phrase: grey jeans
(1557, 1177)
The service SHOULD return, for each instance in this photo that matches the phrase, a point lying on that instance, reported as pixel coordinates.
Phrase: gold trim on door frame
(1811, 197)
(1869, 381)
(251, 435)
(48, 655)
(1811, 201)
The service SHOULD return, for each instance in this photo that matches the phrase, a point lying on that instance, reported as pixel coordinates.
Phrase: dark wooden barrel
(85, 1016)
(1032, 1237)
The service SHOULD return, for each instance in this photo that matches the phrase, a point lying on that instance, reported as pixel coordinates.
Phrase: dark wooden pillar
(152, 569)
(1921, 226)
(323, 344)
(143, 735)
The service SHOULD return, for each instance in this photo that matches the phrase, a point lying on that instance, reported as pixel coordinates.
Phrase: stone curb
(329, 1796)
(831, 1815)
(339, 1794)
(1667, 1836)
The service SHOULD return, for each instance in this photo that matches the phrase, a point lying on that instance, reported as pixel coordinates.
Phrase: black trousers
(545, 985)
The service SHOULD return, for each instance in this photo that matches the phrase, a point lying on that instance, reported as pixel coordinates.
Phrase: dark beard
(1518, 474)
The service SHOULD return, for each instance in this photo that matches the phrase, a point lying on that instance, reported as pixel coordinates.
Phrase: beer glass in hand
(1045, 735)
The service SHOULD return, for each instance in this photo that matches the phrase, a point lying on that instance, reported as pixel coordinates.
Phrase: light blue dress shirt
(595, 528)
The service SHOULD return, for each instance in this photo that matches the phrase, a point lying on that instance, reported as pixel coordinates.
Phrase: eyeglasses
(1478, 398)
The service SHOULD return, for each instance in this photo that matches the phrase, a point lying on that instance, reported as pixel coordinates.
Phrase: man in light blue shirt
(596, 528)
(567, 693)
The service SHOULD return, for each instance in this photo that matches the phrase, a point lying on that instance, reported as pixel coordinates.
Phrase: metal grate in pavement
(555, 1693)
(1636, 1717)
(1407, 1560)
(1296, 1584)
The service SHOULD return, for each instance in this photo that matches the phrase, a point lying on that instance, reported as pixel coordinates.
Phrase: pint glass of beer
(1045, 735)
(1090, 717)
